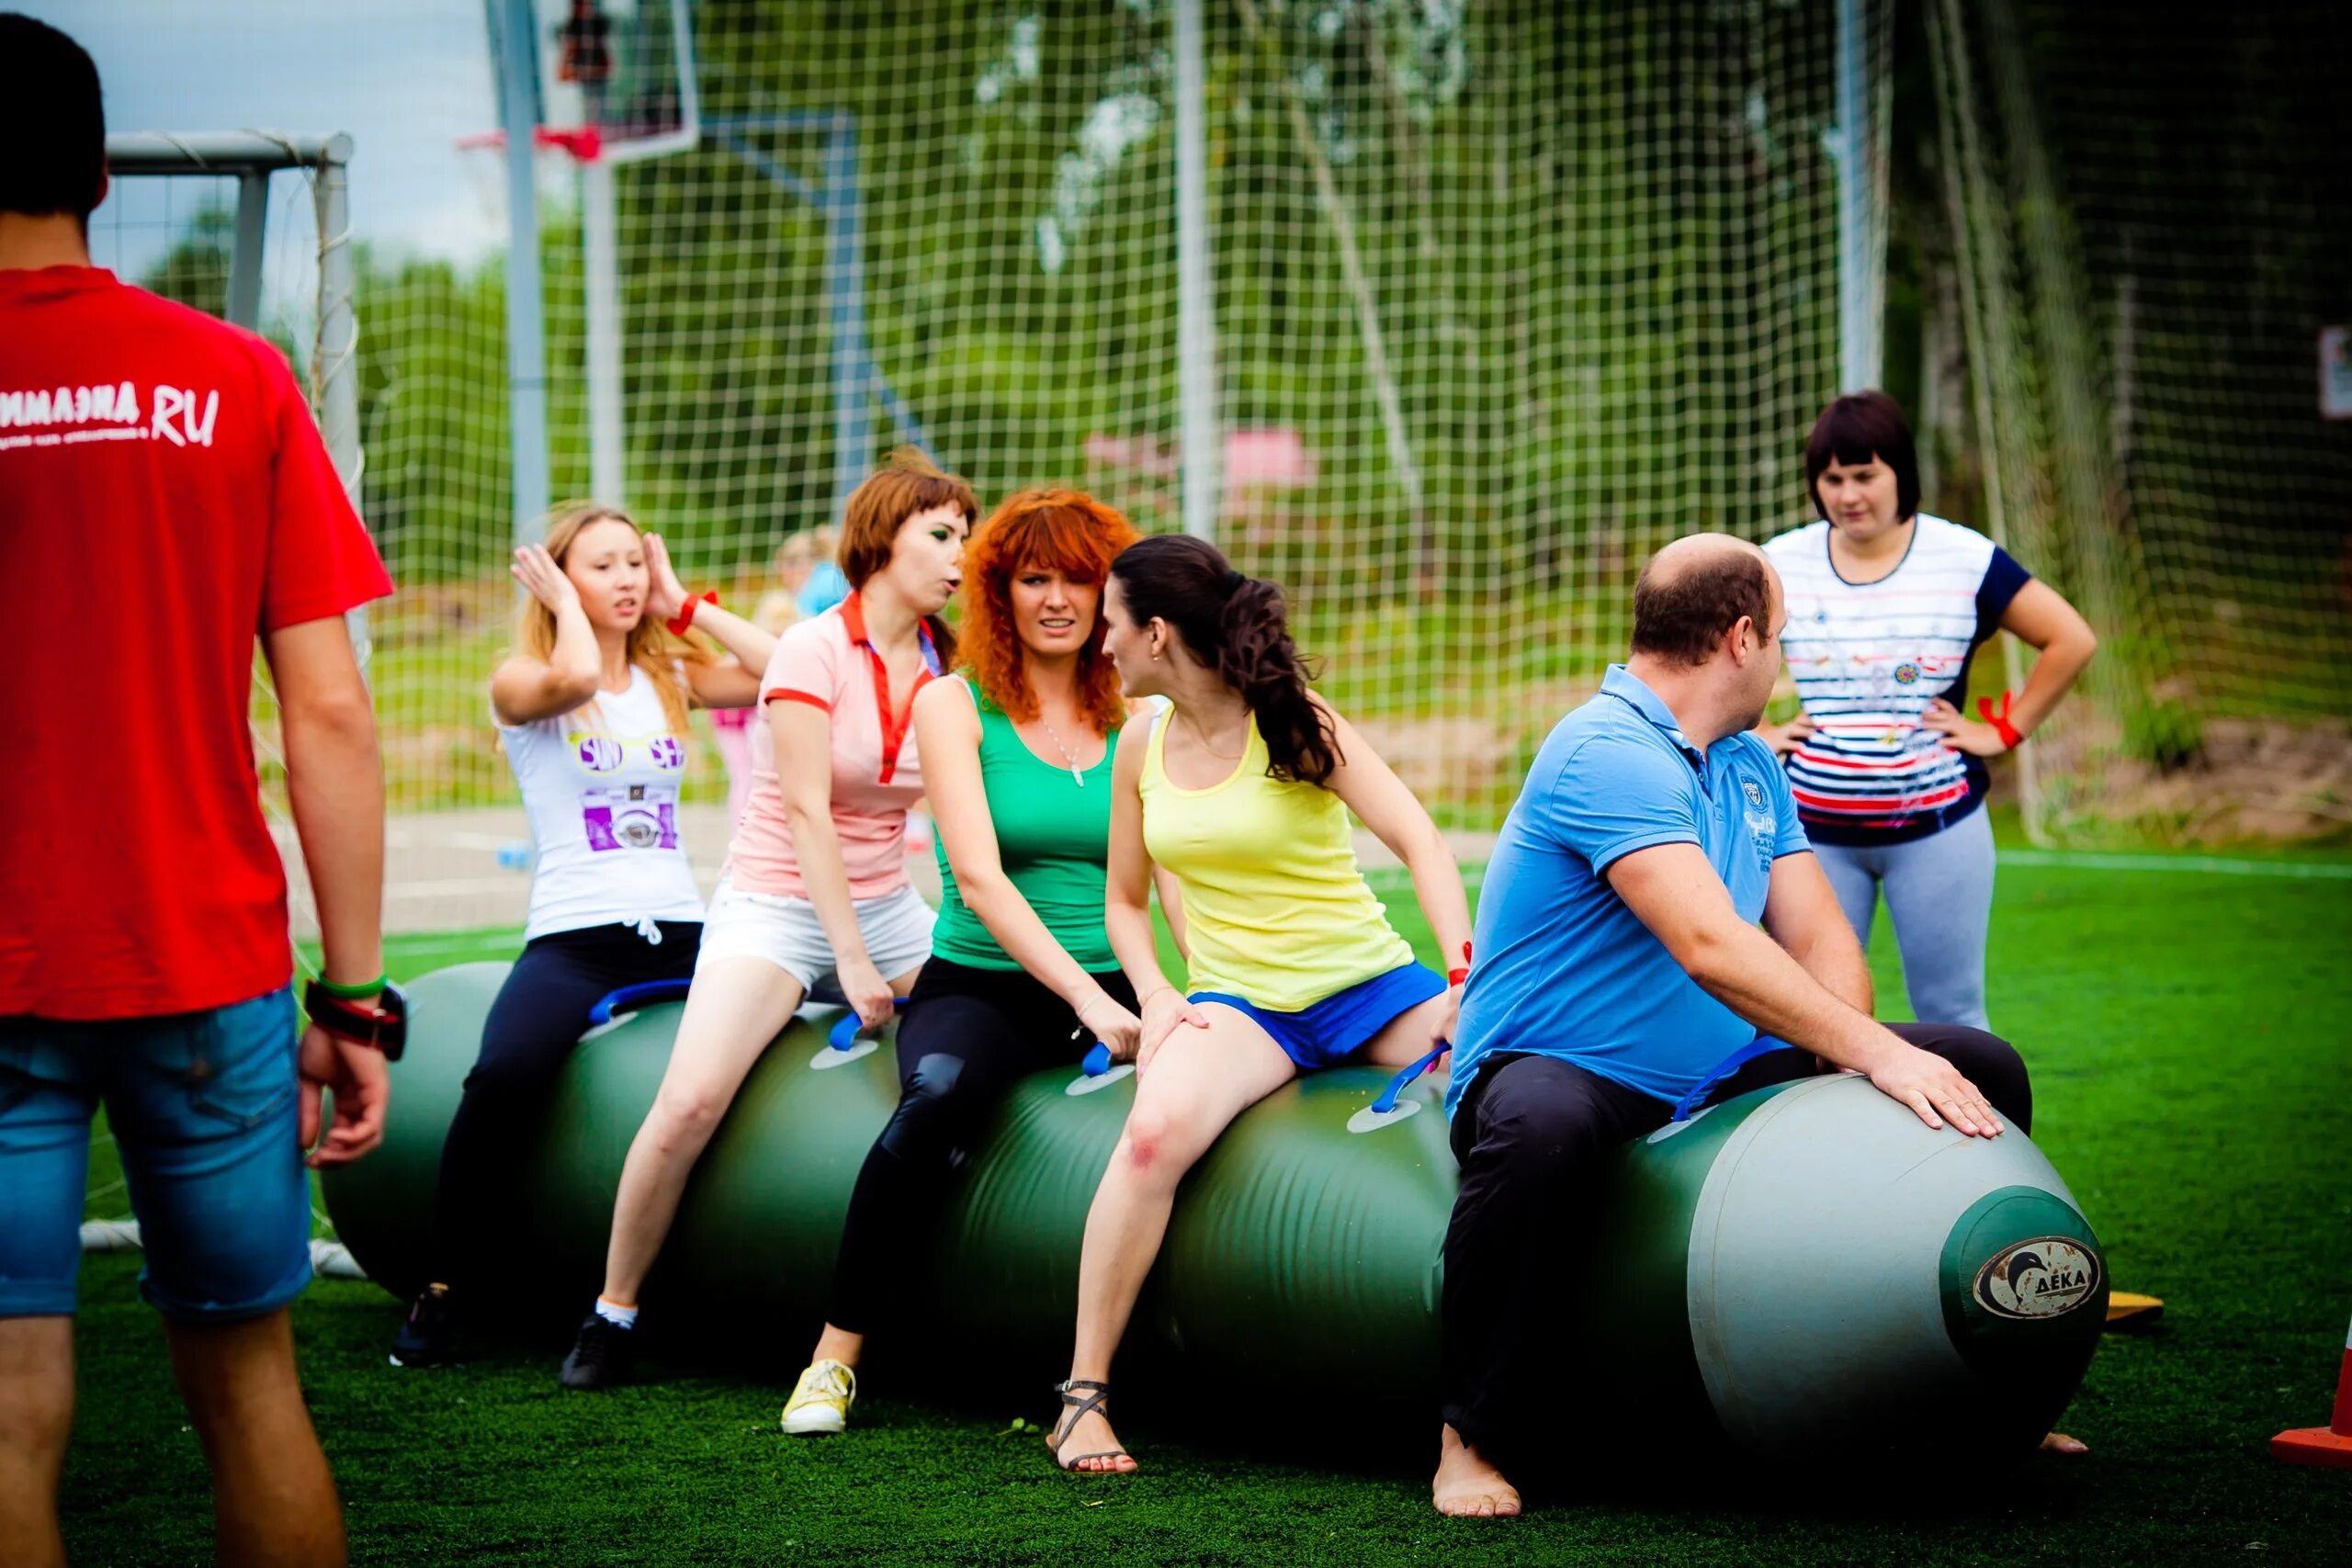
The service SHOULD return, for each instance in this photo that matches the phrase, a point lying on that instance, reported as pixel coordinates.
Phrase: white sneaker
(821, 1399)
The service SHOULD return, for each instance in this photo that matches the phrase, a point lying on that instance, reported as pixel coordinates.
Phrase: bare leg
(1197, 1083)
(1468, 1487)
(273, 1499)
(1407, 1037)
(734, 1008)
(35, 1418)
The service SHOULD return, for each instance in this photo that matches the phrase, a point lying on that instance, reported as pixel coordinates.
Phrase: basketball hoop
(585, 143)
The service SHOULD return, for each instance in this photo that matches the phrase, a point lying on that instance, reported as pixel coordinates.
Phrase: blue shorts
(1328, 1031)
(203, 1109)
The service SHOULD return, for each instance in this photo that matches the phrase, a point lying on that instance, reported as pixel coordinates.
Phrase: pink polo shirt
(828, 663)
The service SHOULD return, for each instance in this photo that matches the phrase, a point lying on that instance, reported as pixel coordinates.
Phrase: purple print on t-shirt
(599, 753)
(667, 753)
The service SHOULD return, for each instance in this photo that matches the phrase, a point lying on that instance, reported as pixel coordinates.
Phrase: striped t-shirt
(1868, 657)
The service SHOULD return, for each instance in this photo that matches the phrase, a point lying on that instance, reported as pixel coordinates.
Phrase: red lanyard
(894, 724)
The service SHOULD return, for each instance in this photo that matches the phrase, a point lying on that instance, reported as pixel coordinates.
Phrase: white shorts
(785, 931)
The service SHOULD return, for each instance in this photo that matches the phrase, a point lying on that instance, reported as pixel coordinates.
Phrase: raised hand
(664, 596)
(543, 579)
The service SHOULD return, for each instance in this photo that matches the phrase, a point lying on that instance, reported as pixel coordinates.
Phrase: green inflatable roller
(1806, 1264)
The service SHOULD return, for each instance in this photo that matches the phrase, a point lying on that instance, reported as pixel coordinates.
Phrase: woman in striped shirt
(1887, 605)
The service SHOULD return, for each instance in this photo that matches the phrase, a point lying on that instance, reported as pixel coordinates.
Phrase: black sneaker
(423, 1338)
(601, 1356)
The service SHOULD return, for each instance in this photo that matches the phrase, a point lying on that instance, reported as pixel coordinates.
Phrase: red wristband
(2008, 732)
(1455, 976)
(685, 615)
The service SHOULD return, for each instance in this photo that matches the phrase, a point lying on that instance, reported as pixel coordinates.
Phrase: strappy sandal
(1077, 1409)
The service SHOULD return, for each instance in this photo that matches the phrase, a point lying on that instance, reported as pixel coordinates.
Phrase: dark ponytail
(1236, 625)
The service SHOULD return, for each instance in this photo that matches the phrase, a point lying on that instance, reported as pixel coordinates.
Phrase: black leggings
(538, 1018)
(1532, 1133)
(967, 1036)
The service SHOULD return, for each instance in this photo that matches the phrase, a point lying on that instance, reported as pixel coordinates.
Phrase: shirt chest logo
(1906, 673)
(1763, 826)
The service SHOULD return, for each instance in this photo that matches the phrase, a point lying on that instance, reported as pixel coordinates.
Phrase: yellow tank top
(1276, 908)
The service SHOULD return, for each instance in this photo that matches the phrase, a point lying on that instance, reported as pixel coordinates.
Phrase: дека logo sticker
(2046, 1276)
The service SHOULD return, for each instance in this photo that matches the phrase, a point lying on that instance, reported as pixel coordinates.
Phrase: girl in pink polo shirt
(815, 883)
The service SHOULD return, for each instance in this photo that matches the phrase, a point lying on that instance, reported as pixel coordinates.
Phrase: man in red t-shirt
(165, 499)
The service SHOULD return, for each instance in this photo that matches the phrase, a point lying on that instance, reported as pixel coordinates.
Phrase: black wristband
(383, 1027)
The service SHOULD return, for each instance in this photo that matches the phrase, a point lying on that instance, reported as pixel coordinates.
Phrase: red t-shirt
(164, 498)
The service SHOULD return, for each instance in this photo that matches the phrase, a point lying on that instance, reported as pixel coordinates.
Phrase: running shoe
(600, 1355)
(423, 1337)
(821, 1399)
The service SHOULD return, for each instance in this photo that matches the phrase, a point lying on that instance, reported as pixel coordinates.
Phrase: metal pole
(244, 259)
(336, 373)
(1857, 323)
(231, 151)
(600, 260)
(844, 284)
(1201, 440)
(526, 354)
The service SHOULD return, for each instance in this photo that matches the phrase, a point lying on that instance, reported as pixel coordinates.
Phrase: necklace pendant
(1076, 776)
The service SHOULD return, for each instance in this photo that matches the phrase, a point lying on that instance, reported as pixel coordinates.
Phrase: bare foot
(2059, 1443)
(1466, 1486)
(1092, 1436)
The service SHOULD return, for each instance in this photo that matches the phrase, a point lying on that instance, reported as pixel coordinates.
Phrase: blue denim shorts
(1327, 1032)
(203, 1108)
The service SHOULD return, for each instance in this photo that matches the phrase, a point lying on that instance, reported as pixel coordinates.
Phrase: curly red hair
(1057, 530)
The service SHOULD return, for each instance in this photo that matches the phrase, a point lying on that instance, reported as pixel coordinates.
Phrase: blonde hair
(650, 648)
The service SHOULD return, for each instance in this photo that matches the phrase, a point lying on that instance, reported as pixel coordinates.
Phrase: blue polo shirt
(1564, 968)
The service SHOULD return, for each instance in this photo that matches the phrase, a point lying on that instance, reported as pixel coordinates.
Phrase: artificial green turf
(2192, 1077)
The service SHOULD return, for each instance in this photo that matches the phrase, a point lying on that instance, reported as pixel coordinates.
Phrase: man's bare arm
(1802, 913)
(1672, 890)
(336, 782)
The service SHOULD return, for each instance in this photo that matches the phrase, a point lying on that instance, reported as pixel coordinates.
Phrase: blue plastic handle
(845, 1027)
(629, 998)
(1097, 1062)
(1385, 1100)
(1762, 1045)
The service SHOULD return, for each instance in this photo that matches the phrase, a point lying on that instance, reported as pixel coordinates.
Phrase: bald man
(1620, 975)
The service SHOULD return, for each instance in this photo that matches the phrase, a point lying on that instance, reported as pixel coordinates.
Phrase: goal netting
(1505, 296)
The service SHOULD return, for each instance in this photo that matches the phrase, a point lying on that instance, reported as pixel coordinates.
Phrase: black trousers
(1531, 1134)
(538, 1016)
(967, 1036)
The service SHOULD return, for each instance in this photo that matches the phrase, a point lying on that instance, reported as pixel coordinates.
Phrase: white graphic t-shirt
(600, 785)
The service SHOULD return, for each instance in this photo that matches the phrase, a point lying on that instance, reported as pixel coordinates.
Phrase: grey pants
(1939, 895)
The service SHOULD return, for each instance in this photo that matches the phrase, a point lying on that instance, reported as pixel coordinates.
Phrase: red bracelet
(2009, 733)
(1455, 976)
(685, 616)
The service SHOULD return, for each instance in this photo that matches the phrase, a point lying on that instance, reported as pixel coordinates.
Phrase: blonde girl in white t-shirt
(592, 713)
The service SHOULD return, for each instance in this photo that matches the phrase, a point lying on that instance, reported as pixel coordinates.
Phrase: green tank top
(1053, 835)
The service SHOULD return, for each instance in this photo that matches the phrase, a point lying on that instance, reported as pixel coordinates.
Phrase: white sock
(616, 1313)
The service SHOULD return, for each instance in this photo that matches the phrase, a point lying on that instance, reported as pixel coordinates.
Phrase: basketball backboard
(625, 68)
